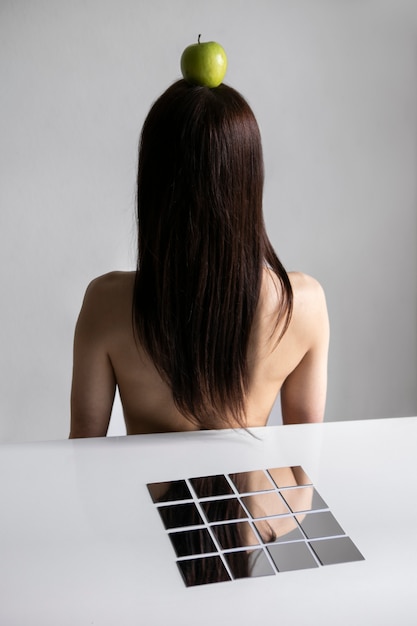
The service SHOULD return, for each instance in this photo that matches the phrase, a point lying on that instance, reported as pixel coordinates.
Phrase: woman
(210, 327)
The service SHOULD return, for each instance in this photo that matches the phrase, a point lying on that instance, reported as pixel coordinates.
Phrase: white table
(81, 541)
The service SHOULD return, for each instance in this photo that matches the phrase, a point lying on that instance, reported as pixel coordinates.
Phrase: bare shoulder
(309, 320)
(310, 317)
(307, 292)
(107, 297)
(306, 289)
(106, 290)
(110, 283)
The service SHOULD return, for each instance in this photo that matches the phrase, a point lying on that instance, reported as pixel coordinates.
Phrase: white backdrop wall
(333, 84)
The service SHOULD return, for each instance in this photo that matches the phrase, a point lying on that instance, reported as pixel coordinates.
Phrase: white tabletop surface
(81, 541)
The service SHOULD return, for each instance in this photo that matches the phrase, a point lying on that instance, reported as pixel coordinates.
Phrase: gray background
(334, 87)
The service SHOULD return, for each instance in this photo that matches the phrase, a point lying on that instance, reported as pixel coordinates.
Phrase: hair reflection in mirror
(236, 536)
(202, 246)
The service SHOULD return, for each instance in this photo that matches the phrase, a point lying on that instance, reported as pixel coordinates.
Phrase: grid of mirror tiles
(249, 524)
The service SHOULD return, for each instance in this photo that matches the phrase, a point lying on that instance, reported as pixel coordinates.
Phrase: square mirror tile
(303, 499)
(226, 509)
(278, 529)
(265, 504)
(177, 515)
(292, 556)
(338, 550)
(207, 486)
(249, 563)
(289, 476)
(249, 482)
(320, 524)
(188, 542)
(235, 535)
(202, 571)
(169, 491)
(249, 524)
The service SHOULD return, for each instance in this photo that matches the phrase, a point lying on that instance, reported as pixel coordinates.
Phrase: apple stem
(199, 38)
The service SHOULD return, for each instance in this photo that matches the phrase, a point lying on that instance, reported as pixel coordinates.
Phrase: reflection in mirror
(191, 542)
(317, 525)
(226, 509)
(211, 486)
(303, 499)
(244, 525)
(292, 556)
(247, 482)
(289, 476)
(209, 569)
(249, 564)
(265, 505)
(278, 529)
(235, 535)
(169, 491)
(178, 515)
(339, 550)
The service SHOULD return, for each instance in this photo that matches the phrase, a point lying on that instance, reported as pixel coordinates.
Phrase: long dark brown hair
(202, 247)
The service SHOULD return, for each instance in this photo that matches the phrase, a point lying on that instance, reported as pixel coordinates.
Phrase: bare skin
(106, 355)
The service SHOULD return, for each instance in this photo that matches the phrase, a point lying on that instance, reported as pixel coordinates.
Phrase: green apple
(204, 63)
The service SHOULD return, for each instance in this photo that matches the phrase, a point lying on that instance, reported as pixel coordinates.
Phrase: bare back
(106, 354)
